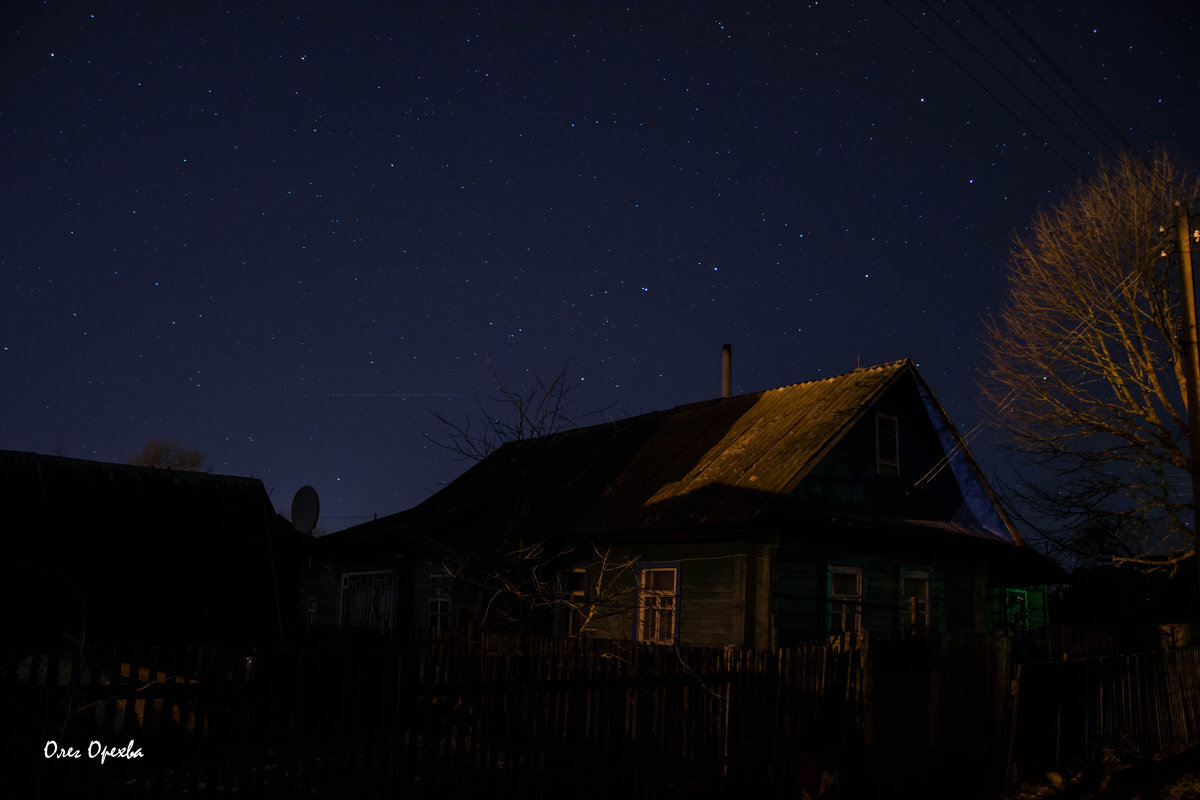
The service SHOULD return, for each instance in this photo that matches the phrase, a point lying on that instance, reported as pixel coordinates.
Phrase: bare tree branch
(1169, 563)
(515, 573)
(545, 406)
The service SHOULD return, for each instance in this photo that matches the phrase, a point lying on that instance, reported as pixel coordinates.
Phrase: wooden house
(760, 520)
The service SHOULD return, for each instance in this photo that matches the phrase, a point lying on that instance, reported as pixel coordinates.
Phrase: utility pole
(1191, 353)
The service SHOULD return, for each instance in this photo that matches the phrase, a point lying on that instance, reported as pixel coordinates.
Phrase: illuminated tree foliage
(1085, 368)
(170, 454)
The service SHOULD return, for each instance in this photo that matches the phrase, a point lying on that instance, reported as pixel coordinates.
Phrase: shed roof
(72, 491)
(132, 553)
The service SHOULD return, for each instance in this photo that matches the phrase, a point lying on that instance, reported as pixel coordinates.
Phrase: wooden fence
(446, 720)
(536, 718)
(1127, 707)
(938, 714)
(592, 719)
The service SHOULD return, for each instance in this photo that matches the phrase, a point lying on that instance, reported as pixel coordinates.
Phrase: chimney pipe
(726, 370)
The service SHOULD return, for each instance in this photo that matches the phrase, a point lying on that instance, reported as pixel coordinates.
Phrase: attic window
(887, 445)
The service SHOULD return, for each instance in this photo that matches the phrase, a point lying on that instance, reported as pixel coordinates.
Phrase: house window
(439, 605)
(572, 589)
(845, 599)
(887, 445)
(368, 600)
(658, 601)
(1016, 609)
(915, 614)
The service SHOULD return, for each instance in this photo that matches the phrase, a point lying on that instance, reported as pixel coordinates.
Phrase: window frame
(570, 617)
(351, 617)
(908, 611)
(641, 622)
(887, 466)
(440, 606)
(844, 601)
(1017, 623)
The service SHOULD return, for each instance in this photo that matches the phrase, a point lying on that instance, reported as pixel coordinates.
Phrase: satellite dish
(305, 508)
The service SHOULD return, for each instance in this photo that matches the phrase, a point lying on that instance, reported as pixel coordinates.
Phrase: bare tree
(511, 415)
(517, 572)
(610, 591)
(169, 454)
(1085, 367)
(526, 586)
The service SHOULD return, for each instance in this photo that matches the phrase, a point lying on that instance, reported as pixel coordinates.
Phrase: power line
(980, 84)
(1076, 333)
(1011, 83)
(1061, 74)
(393, 394)
(1053, 89)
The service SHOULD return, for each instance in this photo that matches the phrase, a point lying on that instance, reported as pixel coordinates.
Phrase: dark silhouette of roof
(89, 493)
(141, 553)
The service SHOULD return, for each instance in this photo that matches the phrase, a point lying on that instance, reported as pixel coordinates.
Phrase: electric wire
(1061, 74)
(1007, 400)
(1053, 89)
(1011, 83)
(1079, 329)
(980, 84)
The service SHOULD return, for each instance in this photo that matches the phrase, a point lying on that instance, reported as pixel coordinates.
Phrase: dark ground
(1173, 778)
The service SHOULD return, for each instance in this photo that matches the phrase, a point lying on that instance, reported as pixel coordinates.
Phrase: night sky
(285, 235)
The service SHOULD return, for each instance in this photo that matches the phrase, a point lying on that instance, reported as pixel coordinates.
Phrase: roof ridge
(582, 429)
(900, 362)
(693, 404)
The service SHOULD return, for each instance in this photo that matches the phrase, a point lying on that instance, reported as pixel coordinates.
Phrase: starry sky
(288, 234)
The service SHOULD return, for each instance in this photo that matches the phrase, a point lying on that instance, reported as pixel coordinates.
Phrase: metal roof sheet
(723, 461)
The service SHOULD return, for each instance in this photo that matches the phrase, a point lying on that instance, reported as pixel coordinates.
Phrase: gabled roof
(713, 464)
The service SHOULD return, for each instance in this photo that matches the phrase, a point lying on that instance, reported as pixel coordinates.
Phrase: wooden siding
(847, 478)
(800, 592)
(722, 593)
(799, 601)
